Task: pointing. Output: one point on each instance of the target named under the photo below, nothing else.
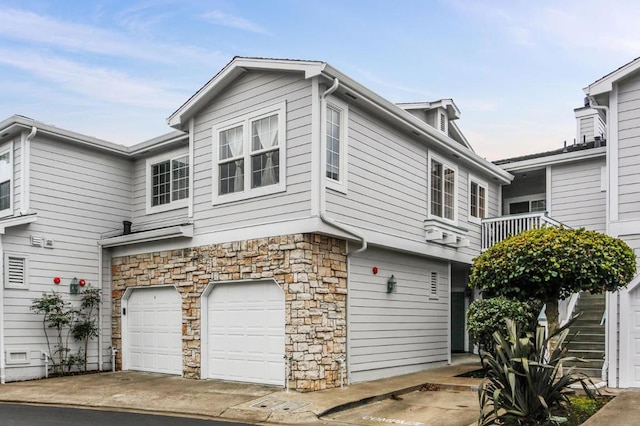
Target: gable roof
(357, 92)
(605, 84)
(559, 156)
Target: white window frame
(8, 148)
(522, 199)
(245, 121)
(339, 185)
(5, 272)
(171, 205)
(445, 164)
(483, 184)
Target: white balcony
(496, 229)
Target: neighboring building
(296, 225)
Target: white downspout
(323, 184)
(2, 360)
(608, 334)
(192, 136)
(100, 278)
(25, 150)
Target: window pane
(231, 177)
(231, 143)
(473, 209)
(520, 207)
(180, 178)
(161, 183)
(333, 144)
(264, 133)
(265, 169)
(436, 188)
(5, 166)
(5, 195)
(482, 200)
(449, 194)
(538, 205)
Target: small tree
(86, 328)
(551, 263)
(59, 315)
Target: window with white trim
(15, 271)
(335, 136)
(477, 200)
(442, 190)
(249, 155)
(168, 183)
(6, 180)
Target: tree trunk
(551, 311)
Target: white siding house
(292, 214)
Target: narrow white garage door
(634, 299)
(246, 332)
(154, 327)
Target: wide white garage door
(634, 298)
(154, 330)
(246, 332)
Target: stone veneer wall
(311, 269)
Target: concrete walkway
(171, 395)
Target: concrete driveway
(432, 408)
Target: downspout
(192, 136)
(323, 210)
(323, 186)
(25, 149)
(605, 366)
(100, 277)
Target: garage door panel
(246, 332)
(154, 330)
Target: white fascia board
(463, 138)
(605, 84)
(420, 127)
(176, 137)
(19, 122)
(179, 231)
(16, 221)
(565, 157)
(231, 71)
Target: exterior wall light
(74, 287)
(391, 284)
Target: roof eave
(231, 71)
(605, 84)
(419, 126)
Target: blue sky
(117, 69)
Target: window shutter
(16, 268)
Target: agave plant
(524, 382)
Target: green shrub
(525, 384)
(486, 316)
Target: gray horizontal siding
(252, 92)
(628, 148)
(78, 195)
(400, 332)
(576, 196)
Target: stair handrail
(573, 302)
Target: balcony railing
(496, 229)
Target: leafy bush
(486, 316)
(551, 263)
(525, 383)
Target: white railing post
(497, 229)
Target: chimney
(127, 227)
(565, 147)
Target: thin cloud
(19, 25)
(102, 84)
(220, 18)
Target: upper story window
(6, 180)
(335, 131)
(477, 200)
(442, 189)
(168, 180)
(249, 155)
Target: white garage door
(634, 298)
(154, 330)
(246, 332)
